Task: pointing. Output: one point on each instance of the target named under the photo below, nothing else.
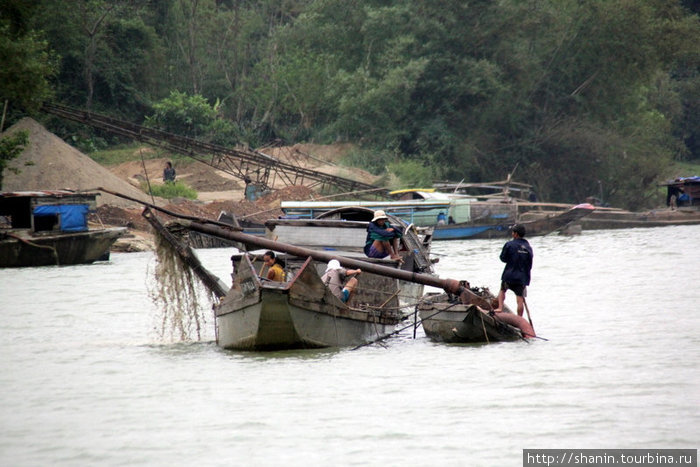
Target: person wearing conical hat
(382, 239)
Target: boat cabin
(683, 191)
(46, 211)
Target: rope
(405, 327)
(483, 326)
(46, 247)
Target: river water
(90, 376)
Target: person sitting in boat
(517, 254)
(276, 267)
(382, 238)
(441, 219)
(333, 279)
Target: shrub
(412, 173)
(171, 190)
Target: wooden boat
(683, 208)
(300, 313)
(465, 216)
(45, 228)
(542, 225)
(610, 218)
(449, 319)
(344, 230)
(421, 213)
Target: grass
(684, 169)
(171, 190)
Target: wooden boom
(449, 285)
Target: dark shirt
(374, 232)
(169, 174)
(517, 254)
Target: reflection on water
(88, 378)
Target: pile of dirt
(49, 163)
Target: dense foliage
(11, 146)
(582, 96)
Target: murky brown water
(88, 377)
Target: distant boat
(683, 208)
(421, 213)
(543, 225)
(454, 216)
(42, 228)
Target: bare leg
(520, 305)
(380, 246)
(501, 299)
(385, 247)
(394, 250)
(396, 245)
(351, 286)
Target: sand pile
(49, 163)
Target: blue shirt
(374, 232)
(517, 254)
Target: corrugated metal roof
(45, 194)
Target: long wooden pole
(527, 308)
(449, 285)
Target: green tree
(11, 146)
(27, 67)
(182, 114)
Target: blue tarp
(73, 216)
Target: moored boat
(43, 228)
(542, 225)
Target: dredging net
(179, 296)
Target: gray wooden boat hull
(457, 323)
(302, 313)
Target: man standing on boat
(333, 279)
(382, 238)
(517, 254)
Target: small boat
(42, 228)
(541, 225)
(446, 318)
